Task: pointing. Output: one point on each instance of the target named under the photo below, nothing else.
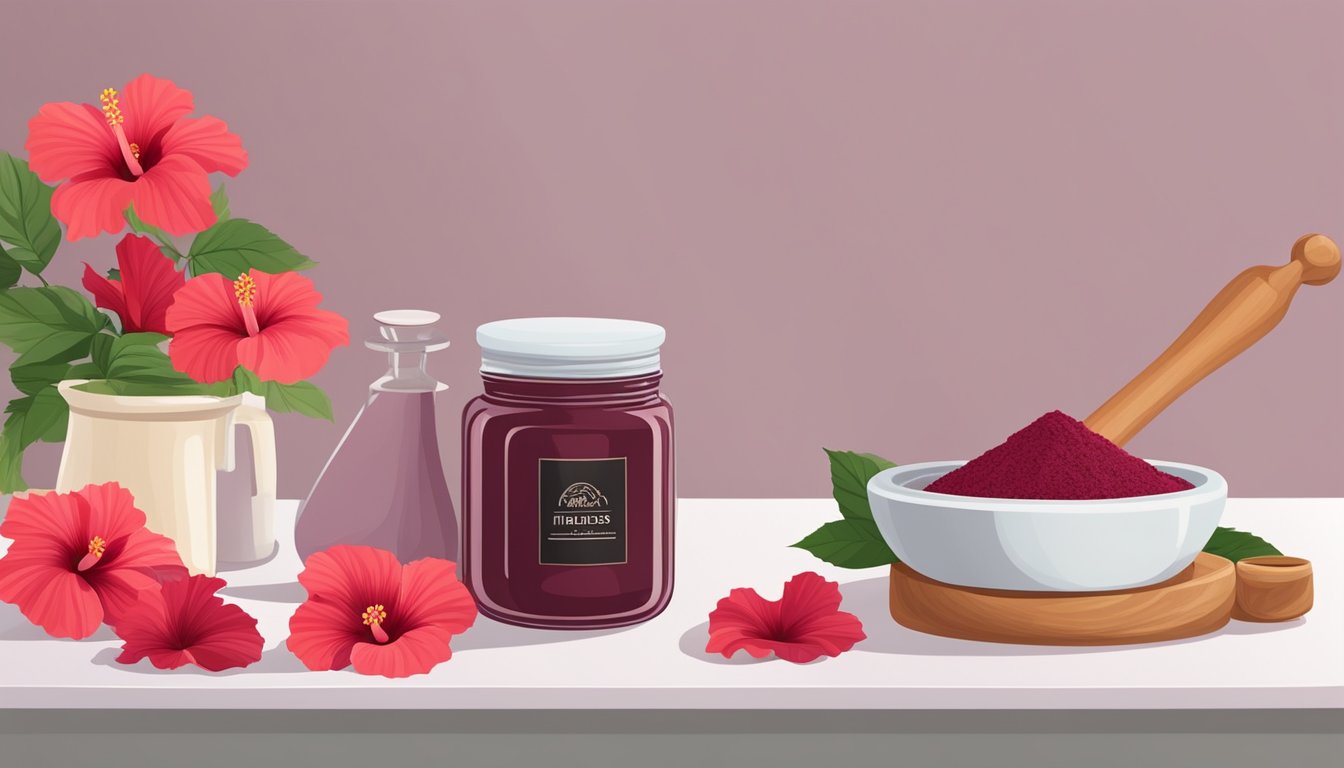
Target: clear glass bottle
(384, 485)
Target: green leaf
(233, 246)
(1236, 545)
(849, 544)
(145, 365)
(303, 398)
(219, 200)
(135, 358)
(84, 371)
(38, 417)
(48, 324)
(11, 463)
(34, 377)
(136, 389)
(51, 410)
(850, 473)
(246, 381)
(114, 274)
(855, 541)
(133, 364)
(10, 271)
(25, 215)
(144, 339)
(100, 352)
(131, 389)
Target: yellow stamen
(112, 113)
(374, 616)
(111, 107)
(97, 546)
(245, 290)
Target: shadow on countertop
(277, 660)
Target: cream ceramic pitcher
(166, 451)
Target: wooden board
(1195, 602)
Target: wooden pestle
(1240, 315)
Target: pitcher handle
(262, 430)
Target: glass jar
(567, 474)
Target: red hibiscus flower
(365, 609)
(805, 623)
(136, 147)
(149, 280)
(184, 622)
(269, 324)
(79, 559)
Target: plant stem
(45, 284)
(157, 235)
(172, 250)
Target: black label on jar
(582, 511)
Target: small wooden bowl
(1272, 588)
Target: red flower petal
(425, 605)
(92, 203)
(67, 139)
(147, 552)
(807, 600)
(797, 653)
(295, 349)
(322, 634)
(296, 338)
(138, 561)
(73, 141)
(802, 625)
(52, 534)
(50, 596)
(293, 341)
(174, 195)
(185, 622)
(413, 653)
(109, 511)
(151, 105)
(285, 296)
(206, 300)
(832, 635)
(431, 595)
(205, 354)
(107, 294)
(119, 590)
(206, 325)
(353, 577)
(208, 141)
(150, 280)
(51, 521)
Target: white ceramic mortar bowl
(1021, 544)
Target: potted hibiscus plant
(222, 314)
(198, 301)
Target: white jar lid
(570, 347)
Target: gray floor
(592, 739)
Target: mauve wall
(903, 227)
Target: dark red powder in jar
(1057, 457)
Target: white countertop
(662, 665)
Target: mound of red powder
(1057, 457)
